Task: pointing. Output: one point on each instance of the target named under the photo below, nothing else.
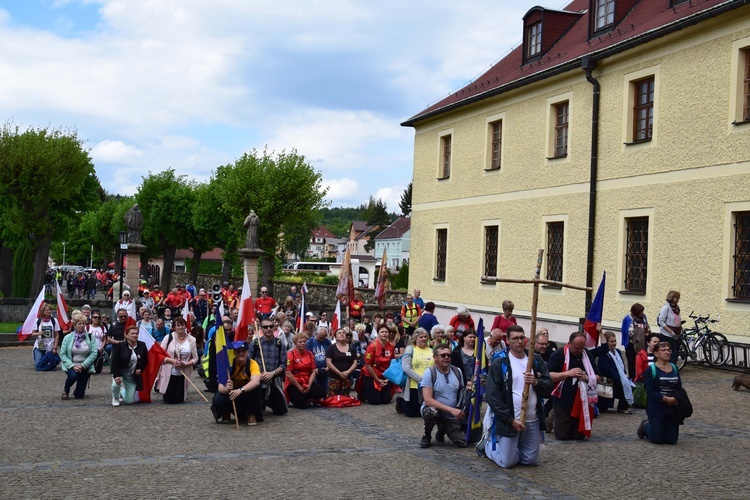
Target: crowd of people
(287, 361)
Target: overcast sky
(193, 84)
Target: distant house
(359, 234)
(318, 248)
(395, 241)
(181, 255)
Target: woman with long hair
(176, 369)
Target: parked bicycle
(700, 343)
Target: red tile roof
(647, 20)
(322, 232)
(395, 230)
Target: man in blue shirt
(318, 345)
(428, 319)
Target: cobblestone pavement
(51, 448)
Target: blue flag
(224, 351)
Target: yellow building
(616, 137)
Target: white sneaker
(121, 398)
(115, 402)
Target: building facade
(396, 241)
(616, 138)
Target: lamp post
(123, 249)
(63, 253)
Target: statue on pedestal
(251, 224)
(134, 224)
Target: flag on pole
(156, 354)
(302, 309)
(224, 353)
(62, 310)
(186, 313)
(336, 317)
(594, 316)
(382, 287)
(246, 315)
(480, 368)
(30, 324)
(345, 290)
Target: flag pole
(194, 386)
(532, 341)
(234, 406)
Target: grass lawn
(9, 327)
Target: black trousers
(374, 396)
(276, 400)
(247, 403)
(566, 427)
(302, 401)
(175, 392)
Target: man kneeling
(441, 387)
(507, 441)
(242, 388)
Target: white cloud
(115, 152)
(344, 189)
(391, 196)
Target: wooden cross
(535, 299)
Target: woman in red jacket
(376, 388)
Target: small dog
(741, 380)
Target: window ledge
(634, 143)
(740, 122)
(552, 287)
(443, 178)
(492, 169)
(631, 292)
(738, 301)
(438, 279)
(559, 157)
(488, 282)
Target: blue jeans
(37, 355)
(661, 431)
(80, 380)
(523, 448)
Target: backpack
(433, 373)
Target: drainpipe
(588, 64)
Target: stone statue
(134, 224)
(251, 224)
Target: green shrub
(330, 279)
(401, 280)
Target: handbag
(395, 373)
(606, 389)
(639, 395)
(464, 399)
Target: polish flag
(246, 316)
(186, 313)
(156, 355)
(302, 310)
(62, 310)
(30, 324)
(336, 317)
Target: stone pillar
(132, 261)
(250, 258)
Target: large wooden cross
(535, 299)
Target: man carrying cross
(509, 441)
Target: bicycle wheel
(682, 355)
(716, 349)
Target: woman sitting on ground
(661, 427)
(300, 386)
(176, 369)
(341, 359)
(646, 357)
(47, 331)
(416, 360)
(77, 354)
(128, 361)
(612, 366)
(376, 389)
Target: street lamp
(63, 253)
(123, 249)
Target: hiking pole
(194, 386)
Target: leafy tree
(201, 229)
(47, 181)
(166, 201)
(405, 203)
(283, 190)
(401, 280)
(22, 270)
(375, 214)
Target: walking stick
(234, 407)
(530, 363)
(194, 386)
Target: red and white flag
(345, 290)
(30, 324)
(336, 317)
(156, 355)
(62, 310)
(186, 314)
(382, 287)
(246, 316)
(302, 309)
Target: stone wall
(323, 297)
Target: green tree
(22, 269)
(47, 181)
(405, 203)
(166, 201)
(283, 190)
(376, 214)
(202, 231)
